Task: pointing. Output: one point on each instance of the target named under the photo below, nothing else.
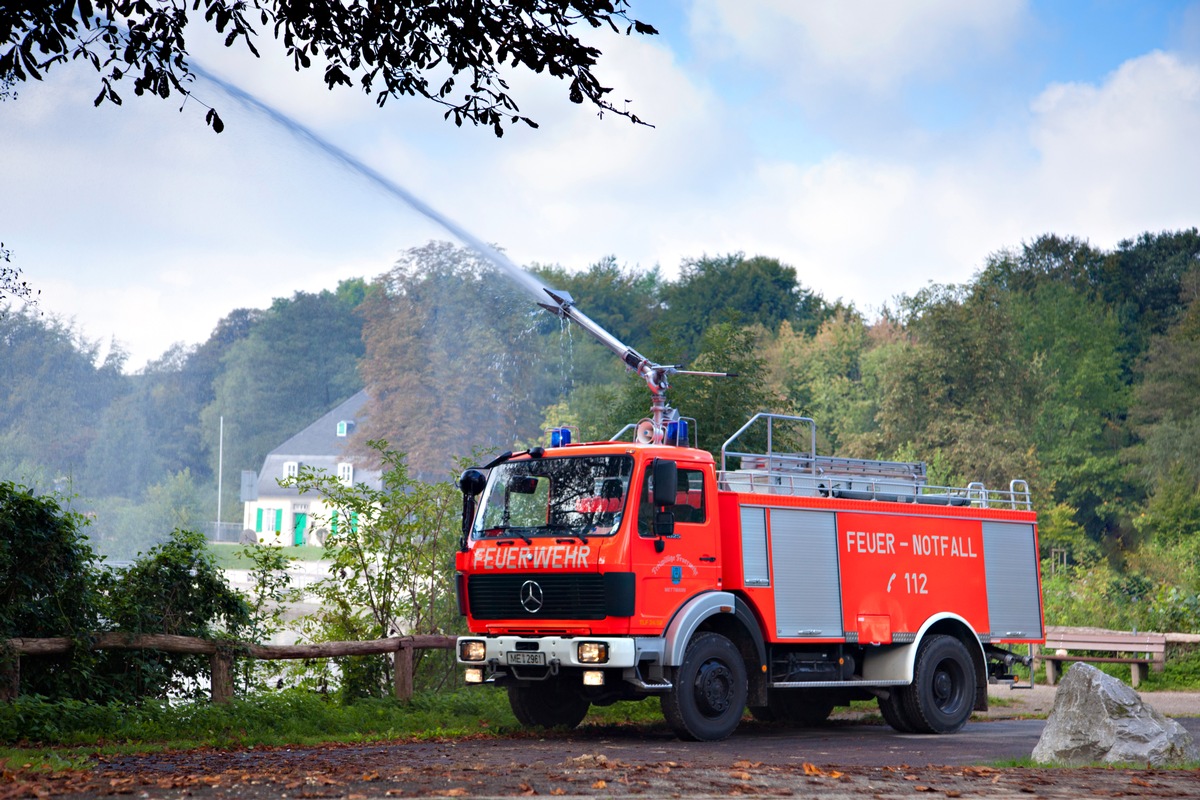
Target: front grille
(563, 596)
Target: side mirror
(666, 482)
(471, 484)
(666, 485)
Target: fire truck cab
(786, 583)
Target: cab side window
(690, 506)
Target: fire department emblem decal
(531, 596)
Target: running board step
(652, 685)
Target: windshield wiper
(567, 529)
(507, 532)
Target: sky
(875, 147)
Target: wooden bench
(1139, 650)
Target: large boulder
(1098, 719)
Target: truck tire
(892, 709)
(709, 695)
(550, 705)
(942, 695)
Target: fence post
(402, 671)
(10, 678)
(222, 676)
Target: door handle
(708, 558)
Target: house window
(344, 427)
(346, 472)
(291, 469)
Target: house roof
(319, 446)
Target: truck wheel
(942, 694)
(709, 695)
(549, 705)
(892, 709)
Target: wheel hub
(714, 688)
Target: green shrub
(50, 585)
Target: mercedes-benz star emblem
(531, 597)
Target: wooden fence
(223, 653)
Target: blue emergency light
(677, 433)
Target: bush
(175, 588)
(52, 584)
(49, 586)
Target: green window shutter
(258, 521)
(279, 520)
(354, 522)
(333, 522)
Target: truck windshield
(578, 496)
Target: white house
(282, 516)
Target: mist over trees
(1068, 366)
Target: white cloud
(1121, 157)
(867, 44)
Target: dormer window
(291, 469)
(345, 427)
(346, 473)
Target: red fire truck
(780, 580)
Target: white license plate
(527, 659)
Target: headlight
(472, 650)
(592, 652)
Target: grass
(229, 555)
(60, 734)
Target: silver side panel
(1011, 559)
(808, 594)
(755, 568)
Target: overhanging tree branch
(450, 52)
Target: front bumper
(636, 662)
(554, 650)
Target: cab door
(673, 569)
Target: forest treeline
(1072, 367)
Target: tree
(299, 360)
(11, 284)
(822, 377)
(1143, 280)
(391, 558)
(455, 53)
(1166, 416)
(1072, 340)
(732, 288)
(455, 358)
(54, 387)
(960, 387)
